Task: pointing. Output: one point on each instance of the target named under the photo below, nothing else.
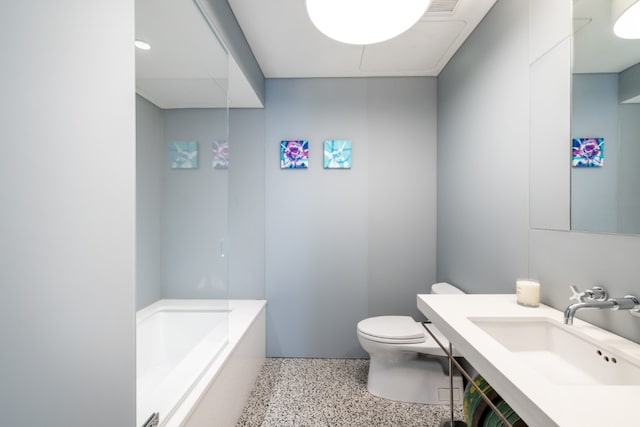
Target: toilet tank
(445, 288)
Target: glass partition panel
(182, 202)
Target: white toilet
(406, 364)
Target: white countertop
(538, 401)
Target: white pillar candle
(528, 292)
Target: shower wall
(194, 210)
(246, 204)
(182, 214)
(150, 159)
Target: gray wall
(68, 216)
(483, 155)
(560, 259)
(246, 204)
(182, 214)
(194, 209)
(629, 172)
(150, 160)
(343, 245)
(629, 83)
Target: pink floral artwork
(220, 152)
(294, 154)
(587, 152)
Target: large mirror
(605, 122)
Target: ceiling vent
(442, 6)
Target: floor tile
(329, 393)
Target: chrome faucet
(596, 297)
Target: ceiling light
(365, 21)
(627, 15)
(141, 44)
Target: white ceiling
(187, 67)
(286, 43)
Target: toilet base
(412, 377)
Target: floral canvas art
(294, 154)
(587, 152)
(337, 154)
(183, 154)
(220, 154)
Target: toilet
(406, 364)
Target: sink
(560, 353)
(550, 373)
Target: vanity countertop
(539, 401)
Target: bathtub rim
(242, 315)
(215, 305)
(168, 393)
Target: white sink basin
(560, 353)
(551, 374)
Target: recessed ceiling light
(365, 21)
(627, 15)
(141, 44)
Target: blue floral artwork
(587, 152)
(337, 154)
(220, 153)
(183, 154)
(294, 154)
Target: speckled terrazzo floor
(329, 393)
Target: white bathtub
(197, 360)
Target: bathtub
(197, 360)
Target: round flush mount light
(141, 44)
(627, 15)
(365, 21)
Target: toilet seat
(392, 330)
(400, 330)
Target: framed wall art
(183, 154)
(220, 151)
(294, 154)
(337, 154)
(587, 152)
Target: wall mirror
(605, 122)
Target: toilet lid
(401, 328)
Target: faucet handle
(577, 295)
(597, 293)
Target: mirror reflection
(605, 122)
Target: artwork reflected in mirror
(587, 152)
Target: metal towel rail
(152, 421)
(452, 361)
